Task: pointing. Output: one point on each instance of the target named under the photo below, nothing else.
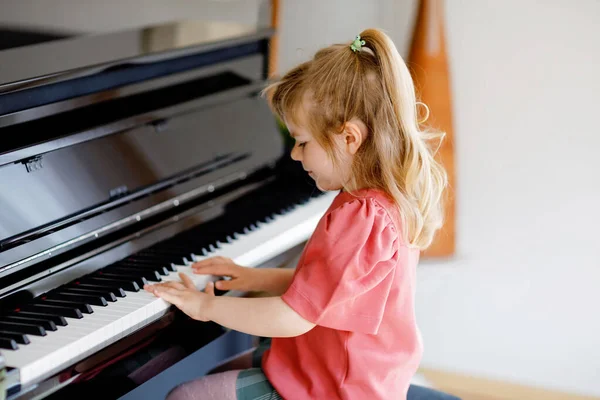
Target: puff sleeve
(346, 271)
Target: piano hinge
(33, 163)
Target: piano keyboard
(77, 319)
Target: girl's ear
(354, 133)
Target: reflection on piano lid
(124, 171)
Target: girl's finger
(210, 289)
(187, 282)
(213, 269)
(169, 294)
(173, 285)
(212, 261)
(226, 285)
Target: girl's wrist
(208, 308)
(258, 280)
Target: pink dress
(356, 282)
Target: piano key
(105, 294)
(140, 280)
(83, 307)
(133, 267)
(267, 240)
(57, 319)
(17, 337)
(59, 310)
(157, 259)
(149, 275)
(7, 343)
(46, 324)
(150, 264)
(77, 297)
(20, 327)
(127, 285)
(114, 288)
(164, 253)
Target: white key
(284, 232)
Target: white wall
(520, 300)
(308, 25)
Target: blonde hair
(375, 86)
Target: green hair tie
(357, 44)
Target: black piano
(124, 158)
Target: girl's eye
(302, 144)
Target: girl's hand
(242, 278)
(185, 296)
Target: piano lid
(30, 66)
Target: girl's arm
(273, 280)
(266, 316)
(263, 316)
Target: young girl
(343, 323)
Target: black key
(126, 284)
(30, 329)
(114, 288)
(71, 312)
(46, 324)
(127, 267)
(152, 258)
(157, 259)
(90, 299)
(177, 256)
(163, 252)
(17, 337)
(57, 319)
(186, 244)
(107, 295)
(146, 264)
(140, 280)
(182, 245)
(6, 343)
(149, 275)
(83, 307)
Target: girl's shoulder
(365, 206)
(374, 199)
(360, 223)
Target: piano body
(123, 159)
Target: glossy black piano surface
(121, 162)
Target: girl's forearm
(265, 316)
(274, 281)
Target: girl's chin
(317, 183)
(324, 187)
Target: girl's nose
(296, 154)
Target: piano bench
(416, 392)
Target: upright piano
(124, 158)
